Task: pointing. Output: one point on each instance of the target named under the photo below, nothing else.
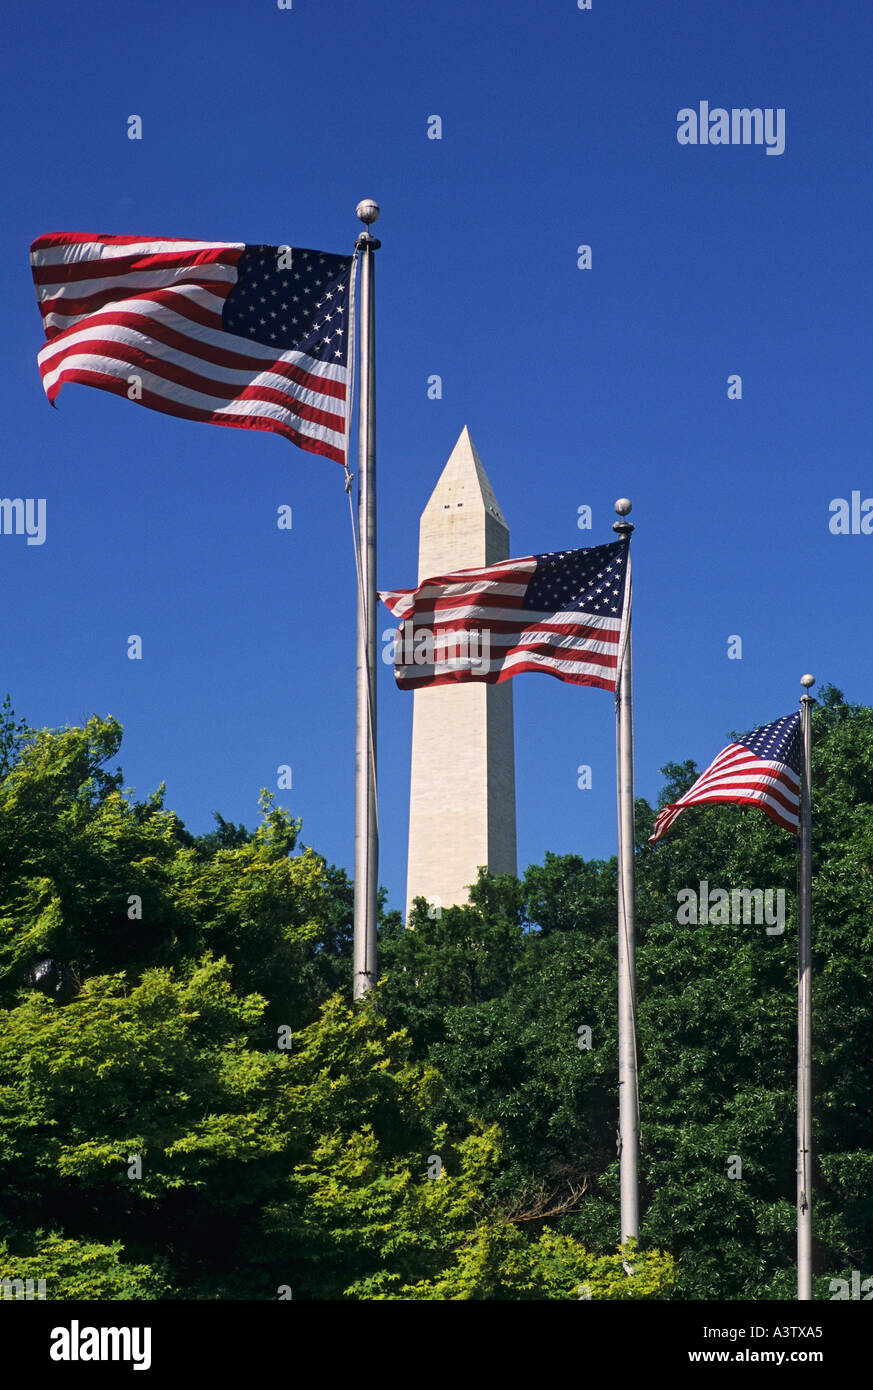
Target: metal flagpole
(804, 1011)
(366, 826)
(628, 1099)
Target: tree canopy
(190, 1107)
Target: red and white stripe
(116, 307)
(580, 648)
(738, 775)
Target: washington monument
(462, 790)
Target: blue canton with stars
(779, 742)
(304, 306)
(591, 580)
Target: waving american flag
(563, 613)
(255, 337)
(762, 768)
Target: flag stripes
(739, 774)
(120, 307)
(492, 623)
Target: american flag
(563, 613)
(762, 768)
(255, 337)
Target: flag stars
(309, 320)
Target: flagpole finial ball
(367, 211)
(623, 506)
(807, 681)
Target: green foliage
(190, 1108)
(13, 734)
(499, 1263)
(76, 1269)
(496, 991)
(158, 1138)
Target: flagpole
(628, 1115)
(366, 825)
(804, 1010)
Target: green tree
(716, 1030)
(200, 1115)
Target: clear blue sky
(559, 128)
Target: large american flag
(255, 337)
(763, 768)
(563, 613)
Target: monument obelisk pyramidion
(462, 791)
